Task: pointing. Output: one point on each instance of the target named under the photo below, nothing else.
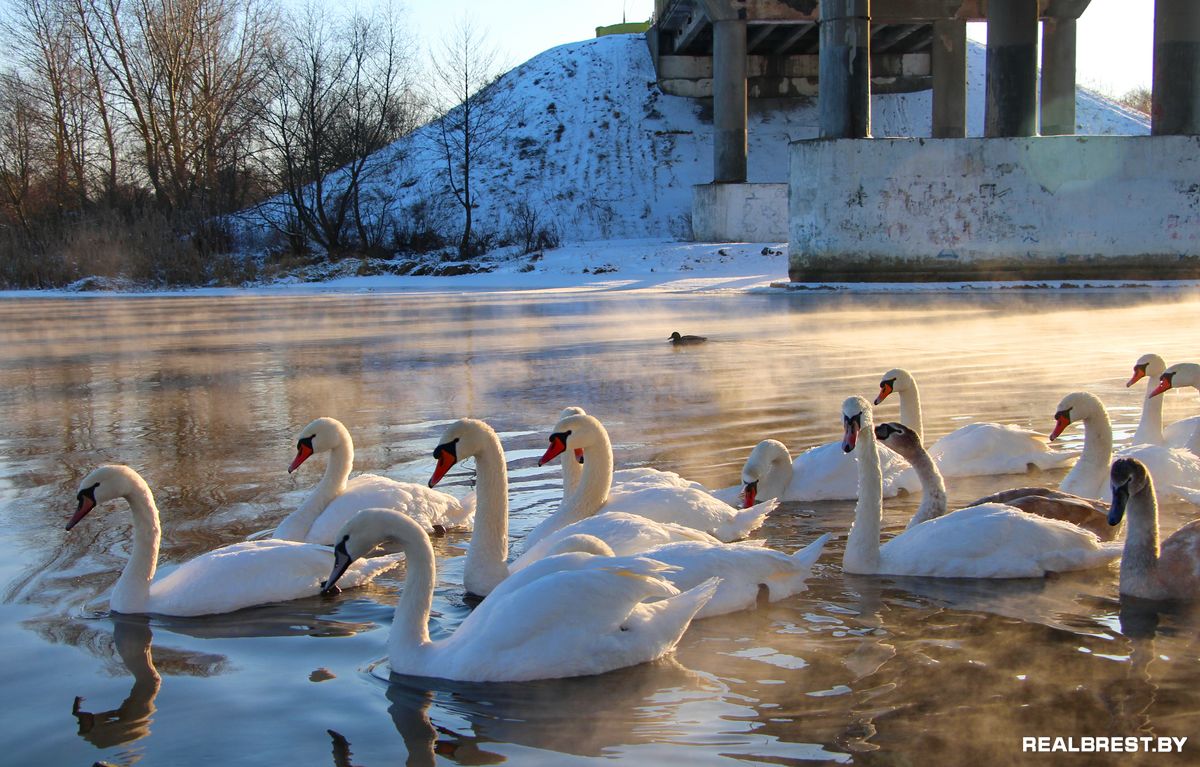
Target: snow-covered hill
(599, 152)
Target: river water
(204, 396)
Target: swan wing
(252, 573)
(981, 449)
(827, 473)
(424, 505)
(690, 507)
(624, 533)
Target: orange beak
(1061, 422)
(1164, 383)
(885, 388)
(304, 451)
(86, 504)
(447, 456)
(1139, 372)
(749, 493)
(558, 443)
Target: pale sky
(1114, 45)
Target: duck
(334, 500)
(987, 541)
(977, 449)
(1182, 433)
(679, 340)
(1087, 513)
(1170, 571)
(564, 624)
(748, 573)
(660, 501)
(486, 565)
(219, 581)
(1150, 429)
(1176, 471)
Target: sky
(521, 29)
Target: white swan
(485, 566)
(334, 500)
(1185, 433)
(821, 473)
(659, 501)
(989, 541)
(219, 581)
(1091, 515)
(1150, 429)
(1148, 570)
(1175, 471)
(977, 449)
(567, 623)
(748, 573)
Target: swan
(485, 567)
(821, 473)
(219, 581)
(989, 541)
(567, 623)
(658, 501)
(334, 500)
(1052, 504)
(977, 449)
(1148, 570)
(1150, 429)
(1175, 471)
(1184, 433)
(747, 572)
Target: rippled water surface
(204, 396)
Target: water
(204, 397)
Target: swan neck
(295, 526)
(571, 472)
(1150, 425)
(132, 590)
(590, 495)
(485, 566)
(1089, 475)
(1140, 558)
(410, 623)
(933, 486)
(910, 409)
(778, 478)
(862, 545)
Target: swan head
(575, 432)
(366, 530)
(567, 413)
(1076, 406)
(856, 416)
(1148, 365)
(895, 380)
(320, 435)
(900, 438)
(1182, 374)
(463, 439)
(766, 465)
(104, 484)
(1128, 477)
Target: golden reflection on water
(203, 397)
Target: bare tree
(340, 91)
(475, 115)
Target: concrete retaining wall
(740, 212)
(1101, 207)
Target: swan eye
(306, 442)
(1168, 377)
(1064, 414)
(87, 492)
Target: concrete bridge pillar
(1012, 31)
(1175, 104)
(729, 101)
(1058, 77)
(844, 88)
(949, 63)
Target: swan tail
(669, 618)
(808, 556)
(366, 570)
(745, 521)
(801, 562)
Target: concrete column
(729, 102)
(1175, 104)
(1012, 32)
(844, 90)
(949, 78)
(1058, 77)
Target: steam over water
(204, 397)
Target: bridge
(843, 50)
